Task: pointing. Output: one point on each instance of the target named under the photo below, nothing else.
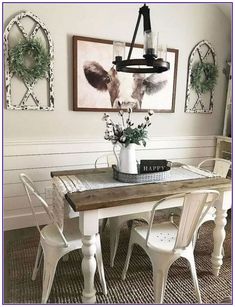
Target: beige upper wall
(181, 26)
(226, 8)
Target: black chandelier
(150, 63)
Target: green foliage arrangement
(32, 50)
(125, 133)
(135, 135)
(204, 77)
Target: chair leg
(103, 225)
(194, 239)
(48, 277)
(100, 265)
(128, 257)
(114, 240)
(37, 261)
(160, 273)
(222, 251)
(65, 258)
(129, 224)
(194, 277)
(171, 217)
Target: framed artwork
(97, 86)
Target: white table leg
(88, 224)
(219, 236)
(219, 232)
(88, 269)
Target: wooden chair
(55, 243)
(117, 222)
(164, 242)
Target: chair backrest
(195, 207)
(31, 190)
(108, 159)
(221, 166)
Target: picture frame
(97, 86)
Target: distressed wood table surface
(93, 205)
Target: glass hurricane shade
(119, 50)
(149, 48)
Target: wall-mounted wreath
(28, 55)
(29, 60)
(204, 77)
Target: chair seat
(71, 233)
(162, 236)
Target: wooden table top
(111, 197)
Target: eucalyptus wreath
(204, 77)
(32, 50)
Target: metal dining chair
(117, 222)
(56, 242)
(221, 168)
(166, 242)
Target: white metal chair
(55, 243)
(164, 242)
(117, 222)
(106, 159)
(221, 168)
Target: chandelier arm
(144, 10)
(134, 35)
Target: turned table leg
(88, 269)
(88, 224)
(219, 232)
(219, 236)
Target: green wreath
(33, 51)
(204, 77)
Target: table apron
(135, 208)
(89, 220)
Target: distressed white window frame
(197, 106)
(8, 75)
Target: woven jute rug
(137, 288)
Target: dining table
(95, 195)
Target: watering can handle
(116, 155)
